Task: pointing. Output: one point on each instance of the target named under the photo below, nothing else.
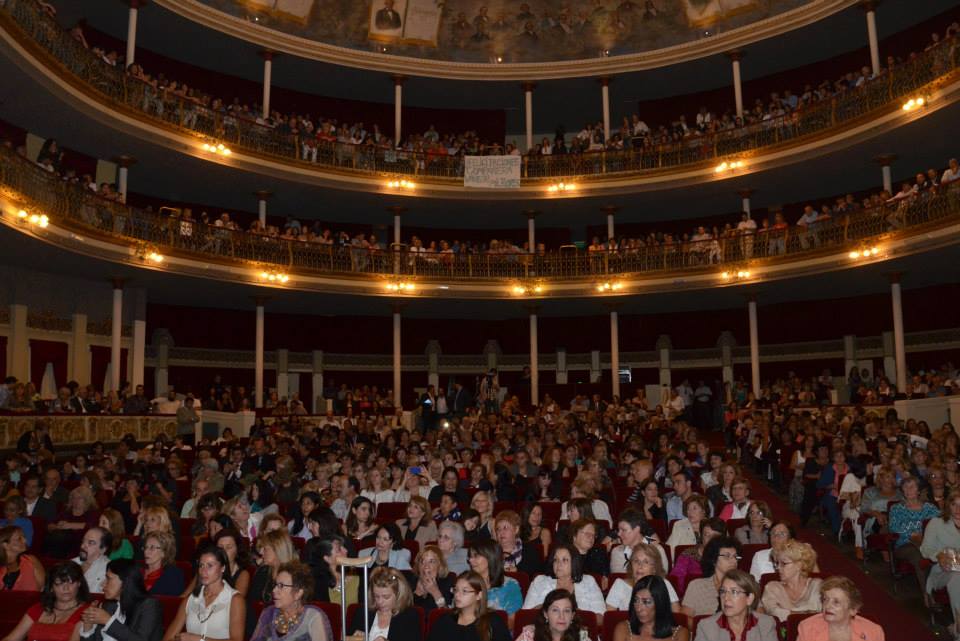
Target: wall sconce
(37, 220)
(403, 287)
(532, 289)
(561, 186)
(729, 166)
(609, 286)
(737, 275)
(859, 254)
(217, 148)
(914, 103)
(401, 184)
(274, 277)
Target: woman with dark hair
(308, 503)
(214, 611)
(650, 613)
(719, 557)
(556, 621)
(63, 600)
(583, 540)
(208, 507)
(566, 573)
(129, 614)
(388, 550)
(120, 546)
(688, 563)
(323, 555)
(238, 554)
(260, 494)
(289, 616)
(18, 570)
(360, 523)
(471, 618)
(532, 529)
(502, 592)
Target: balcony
(190, 127)
(40, 204)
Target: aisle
(898, 623)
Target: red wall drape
(3, 357)
(43, 352)
(99, 360)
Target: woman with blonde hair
(275, 548)
(418, 526)
(482, 502)
(77, 516)
(244, 519)
(796, 591)
(645, 561)
(431, 586)
(391, 615)
(160, 576)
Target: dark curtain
(43, 352)
(99, 360)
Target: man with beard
(94, 557)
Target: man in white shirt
(747, 228)
(94, 557)
(807, 237)
(952, 172)
(168, 404)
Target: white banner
(492, 172)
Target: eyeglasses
(280, 586)
(733, 592)
(730, 556)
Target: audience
(63, 600)
(290, 616)
(214, 610)
(391, 615)
(650, 614)
(128, 613)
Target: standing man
(187, 419)
(702, 397)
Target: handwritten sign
(492, 172)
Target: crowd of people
(491, 526)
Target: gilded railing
(917, 76)
(73, 430)
(73, 206)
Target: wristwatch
(441, 602)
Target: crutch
(364, 563)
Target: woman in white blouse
(214, 611)
(686, 531)
(378, 488)
(566, 573)
(645, 560)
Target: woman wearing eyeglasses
(470, 619)
(290, 617)
(62, 603)
(651, 616)
(644, 561)
(391, 616)
(737, 618)
(796, 591)
(215, 611)
(719, 557)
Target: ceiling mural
(505, 31)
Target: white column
(871, 10)
(849, 354)
(885, 161)
(899, 347)
(735, 57)
(161, 382)
(531, 231)
(528, 111)
(80, 353)
(267, 79)
(605, 100)
(745, 199)
(138, 364)
(397, 396)
(610, 225)
(754, 349)
(397, 212)
(258, 358)
(132, 32)
(122, 183)
(283, 373)
(116, 329)
(317, 407)
(262, 197)
(615, 351)
(534, 364)
(19, 344)
(664, 346)
(397, 109)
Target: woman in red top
(18, 570)
(64, 598)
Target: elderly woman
(517, 556)
(941, 539)
(686, 531)
(839, 621)
(737, 618)
(503, 592)
(756, 531)
(391, 616)
(450, 541)
(780, 534)
(689, 562)
(644, 561)
(160, 576)
(388, 550)
(79, 514)
(566, 573)
(650, 614)
(418, 526)
(290, 616)
(739, 506)
(719, 557)
(432, 586)
(583, 539)
(129, 613)
(64, 599)
(906, 521)
(796, 591)
(18, 570)
(150, 520)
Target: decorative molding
(48, 321)
(70, 430)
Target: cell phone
(416, 470)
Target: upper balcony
(129, 105)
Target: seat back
(332, 610)
(170, 605)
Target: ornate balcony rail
(918, 76)
(74, 430)
(72, 206)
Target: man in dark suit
(37, 505)
(428, 409)
(52, 489)
(387, 19)
(261, 463)
(460, 400)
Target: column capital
(397, 210)
(135, 4)
(746, 193)
(268, 54)
(735, 55)
(885, 160)
(528, 86)
(117, 282)
(531, 308)
(260, 301)
(869, 5)
(663, 342)
(726, 339)
(894, 277)
(612, 305)
(124, 160)
(605, 80)
(750, 298)
(609, 210)
(531, 213)
(398, 79)
(263, 194)
(397, 307)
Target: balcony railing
(72, 206)
(917, 76)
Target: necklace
(284, 622)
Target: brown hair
(390, 578)
(745, 582)
(301, 578)
(847, 586)
(116, 527)
(700, 500)
(433, 549)
(167, 543)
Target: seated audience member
(450, 542)
(831, 483)
(290, 616)
(737, 618)
(391, 615)
(756, 531)
(532, 529)
(214, 611)
(128, 613)
(94, 557)
(418, 526)
(739, 506)
(471, 618)
(906, 521)
(651, 616)
(360, 523)
(686, 531)
(722, 492)
(79, 513)
(762, 563)
(502, 592)
(688, 564)
(238, 556)
(120, 546)
(584, 488)
(244, 520)
(388, 550)
(517, 557)
(796, 590)
(873, 505)
(431, 585)
(644, 561)
(323, 554)
(298, 526)
(160, 576)
(483, 504)
(18, 570)
(556, 621)
(583, 542)
(719, 557)
(15, 513)
(941, 540)
(839, 618)
(566, 573)
(275, 548)
(632, 529)
(154, 519)
(652, 504)
(62, 602)
(682, 490)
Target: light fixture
(561, 186)
(155, 257)
(37, 220)
(499, 59)
(148, 254)
(728, 166)
(273, 276)
(914, 103)
(529, 289)
(404, 287)
(22, 214)
(867, 252)
(401, 184)
(217, 148)
(740, 274)
(609, 286)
